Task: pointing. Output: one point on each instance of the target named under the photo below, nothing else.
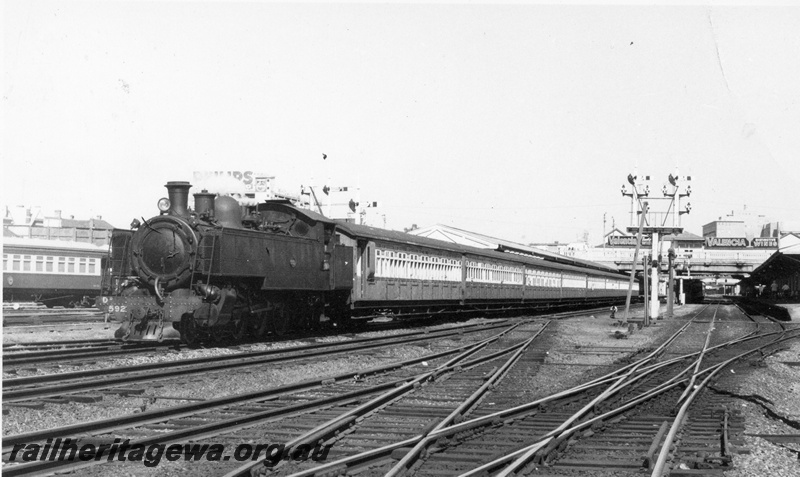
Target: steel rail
(658, 468)
(550, 440)
(158, 415)
(77, 354)
(215, 428)
(69, 382)
(711, 328)
(8, 347)
(491, 419)
(348, 418)
(407, 460)
(525, 454)
(101, 348)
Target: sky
(520, 120)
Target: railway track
(59, 384)
(49, 316)
(336, 393)
(605, 436)
(289, 402)
(84, 352)
(88, 351)
(536, 435)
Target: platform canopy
(779, 266)
(474, 239)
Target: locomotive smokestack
(204, 203)
(178, 197)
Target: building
(772, 229)
(725, 229)
(31, 222)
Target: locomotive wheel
(281, 317)
(189, 332)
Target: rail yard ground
(41, 333)
(575, 350)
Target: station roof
(463, 237)
(780, 265)
(684, 237)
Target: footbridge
(696, 263)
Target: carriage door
(367, 267)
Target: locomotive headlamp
(163, 204)
(135, 224)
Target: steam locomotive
(223, 270)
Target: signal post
(656, 222)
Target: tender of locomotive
(223, 270)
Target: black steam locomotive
(223, 270)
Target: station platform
(782, 309)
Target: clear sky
(520, 120)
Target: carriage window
(5, 262)
(62, 264)
(48, 265)
(16, 263)
(71, 265)
(82, 265)
(39, 263)
(26, 263)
